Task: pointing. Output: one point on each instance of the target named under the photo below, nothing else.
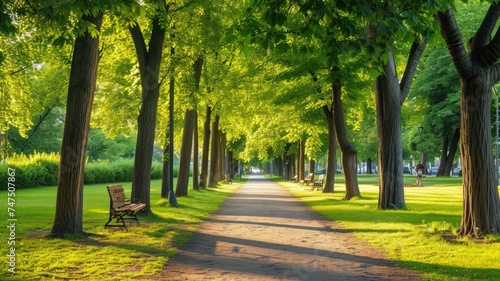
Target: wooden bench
(307, 180)
(121, 208)
(318, 184)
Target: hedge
(42, 169)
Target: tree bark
(452, 152)
(300, 167)
(167, 183)
(286, 164)
(448, 149)
(444, 155)
(312, 165)
(214, 152)
(331, 166)
(349, 152)
(149, 67)
(206, 146)
(196, 152)
(69, 203)
(222, 156)
(197, 69)
(390, 151)
(478, 71)
(369, 169)
(185, 156)
(190, 125)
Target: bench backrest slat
(116, 195)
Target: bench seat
(121, 208)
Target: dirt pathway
(263, 232)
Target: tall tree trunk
(286, 164)
(168, 153)
(165, 178)
(448, 165)
(448, 151)
(478, 70)
(185, 156)
(390, 151)
(331, 166)
(214, 152)
(197, 69)
(292, 170)
(69, 203)
(300, 168)
(312, 166)
(196, 154)
(444, 154)
(206, 146)
(222, 156)
(481, 206)
(369, 169)
(190, 125)
(349, 152)
(149, 67)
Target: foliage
(100, 148)
(44, 136)
(39, 169)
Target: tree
(214, 153)
(69, 203)
(478, 70)
(190, 121)
(206, 146)
(386, 22)
(149, 58)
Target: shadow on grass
(444, 272)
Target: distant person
(420, 170)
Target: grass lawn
(108, 254)
(421, 237)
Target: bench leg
(118, 219)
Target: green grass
(421, 237)
(108, 254)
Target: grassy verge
(420, 237)
(108, 254)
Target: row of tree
(273, 78)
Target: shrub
(42, 169)
(39, 169)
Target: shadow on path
(264, 233)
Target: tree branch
(487, 53)
(41, 119)
(454, 42)
(482, 36)
(140, 45)
(413, 58)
